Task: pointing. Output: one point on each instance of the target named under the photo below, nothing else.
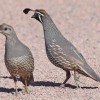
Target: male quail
(60, 51)
(18, 58)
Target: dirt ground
(79, 22)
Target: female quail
(18, 58)
(60, 51)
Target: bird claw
(62, 85)
(78, 87)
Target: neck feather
(12, 40)
(51, 32)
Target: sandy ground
(79, 22)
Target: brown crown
(41, 11)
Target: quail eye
(5, 29)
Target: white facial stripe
(40, 18)
(40, 13)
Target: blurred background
(78, 21)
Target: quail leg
(76, 78)
(15, 81)
(67, 77)
(26, 88)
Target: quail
(61, 52)
(18, 57)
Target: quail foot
(61, 52)
(18, 58)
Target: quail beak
(33, 16)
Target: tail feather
(29, 79)
(88, 71)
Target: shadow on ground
(52, 84)
(7, 90)
(6, 77)
(43, 83)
